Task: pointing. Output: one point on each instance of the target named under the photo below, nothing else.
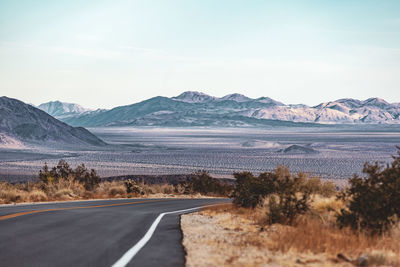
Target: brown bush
(316, 185)
(63, 189)
(117, 190)
(37, 195)
(11, 193)
(63, 194)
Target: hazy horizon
(103, 54)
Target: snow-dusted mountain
(22, 124)
(372, 110)
(198, 109)
(61, 110)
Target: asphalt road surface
(93, 233)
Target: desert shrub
(373, 202)
(167, 189)
(63, 194)
(325, 204)
(104, 189)
(285, 191)
(316, 185)
(283, 208)
(9, 197)
(118, 190)
(62, 171)
(249, 190)
(12, 195)
(90, 180)
(37, 195)
(328, 189)
(201, 182)
(158, 188)
(289, 197)
(63, 188)
(132, 187)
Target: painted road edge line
(127, 257)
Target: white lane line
(127, 257)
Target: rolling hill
(22, 124)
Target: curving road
(93, 233)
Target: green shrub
(286, 193)
(201, 182)
(373, 202)
(290, 197)
(249, 190)
(283, 208)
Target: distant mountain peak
(193, 97)
(376, 101)
(60, 109)
(355, 103)
(236, 97)
(268, 100)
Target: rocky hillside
(22, 124)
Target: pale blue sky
(117, 52)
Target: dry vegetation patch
(230, 236)
(61, 182)
(63, 190)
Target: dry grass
(230, 236)
(63, 189)
(69, 189)
(326, 204)
(110, 189)
(157, 188)
(10, 194)
(117, 191)
(311, 235)
(318, 186)
(37, 195)
(222, 237)
(64, 194)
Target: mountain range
(198, 109)
(22, 124)
(62, 109)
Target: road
(93, 233)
